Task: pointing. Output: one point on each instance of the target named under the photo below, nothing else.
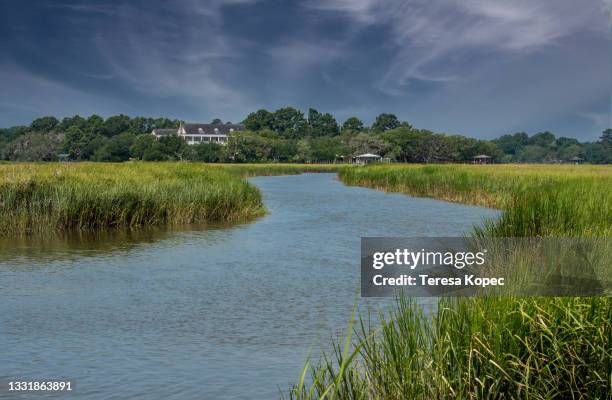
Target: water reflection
(40, 249)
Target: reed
(271, 169)
(42, 198)
(537, 200)
(492, 347)
(479, 348)
(38, 198)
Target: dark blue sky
(477, 67)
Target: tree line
(284, 135)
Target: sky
(481, 68)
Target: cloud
(297, 57)
(426, 35)
(52, 97)
(177, 51)
(598, 119)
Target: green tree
(73, 142)
(565, 142)
(155, 153)
(304, 151)
(248, 147)
(44, 124)
(326, 148)
(606, 136)
(258, 120)
(172, 146)
(216, 121)
(532, 153)
(321, 124)
(385, 122)
(598, 153)
(94, 125)
(209, 152)
(289, 122)
(33, 147)
(116, 149)
(140, 145)
(544, 139)
(568, 152)
(364, 143)
(352, 124)
(115, 125)
(14, 132)
(512, 144)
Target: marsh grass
(38, 198)
(272, 169)
(474, 348)
(42, 198)
(485, 347)
(537, 200)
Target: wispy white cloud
(296, 57)
(426, 32)
(181, 51)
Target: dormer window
(200, 130)
(216, 130)
(231, 129)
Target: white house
(200, 133)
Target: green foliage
(472, 348)
(385, 122)
(33, 147)
(539, 200)
(286, 136)
(484, 347)
(44, 124)
(543, 139)
(322, 124)
(44, 198)
(259, 120)
(289, 122)
(208, 152)
(511, 144)
(116, 149)
(606, 137)
(533, 153)
(352, 124)
(140, 145)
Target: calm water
(216, 313)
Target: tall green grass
(37, 198)
(248, 170)
(480, 348)
(485, 348)
(537, 200)
(57, 197)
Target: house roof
(482, 156)
(575, 159)
(368, 155)
(211, 129)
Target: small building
(576, 160)
(200, 133)
(482, 159)
(367, 158)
